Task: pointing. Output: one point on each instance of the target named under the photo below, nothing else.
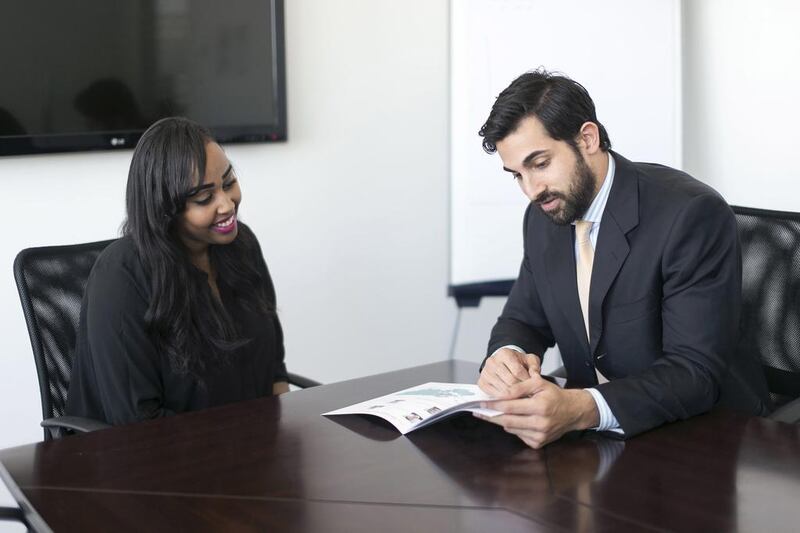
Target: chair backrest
(771, 296)
(51, 281)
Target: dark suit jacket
(663, 306)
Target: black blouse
(118, 374)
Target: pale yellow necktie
(584, 274)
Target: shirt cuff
(608, 422)
(511, 347)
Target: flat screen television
(93, 74)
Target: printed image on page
(413, 408)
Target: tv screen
(93, 74)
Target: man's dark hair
(562, 106)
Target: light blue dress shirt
(608, 422)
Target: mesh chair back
(771, 296)
(51, 281)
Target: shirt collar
(595, 212)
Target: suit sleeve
(522, 322)
(701, 279)
(124, 357)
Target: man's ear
(588, 138)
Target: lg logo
(117, 141)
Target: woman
(178, 314)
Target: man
(633, 269)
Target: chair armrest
(75, 423)
(302, 382)
(789, 413)
(12, 513)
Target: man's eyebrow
(527, 161)
(531, 156)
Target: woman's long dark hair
(186, 321)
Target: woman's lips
(225, 226)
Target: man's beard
(577, 200)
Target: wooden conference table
(275, 464)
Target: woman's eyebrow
(227, 172)
(200, 188)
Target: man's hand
(506, 368)
(544, 411)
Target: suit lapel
(558, 255)
(621, 215)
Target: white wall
(741, 85)
(351, 211)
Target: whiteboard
(627, 53)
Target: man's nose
(530, 188)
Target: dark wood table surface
(275, 464)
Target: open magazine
(413, 408)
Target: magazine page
(415, 407)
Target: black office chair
(770, 324)
(13, 514)
(51, 281)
